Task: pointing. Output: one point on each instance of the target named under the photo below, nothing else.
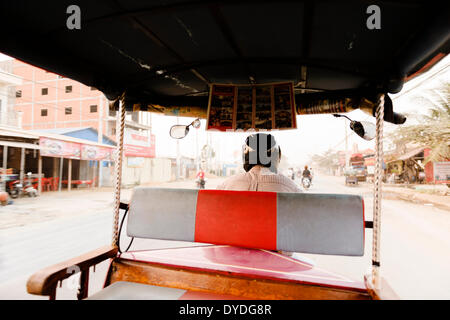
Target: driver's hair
(261, 149)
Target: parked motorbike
(14, 189)
(17, 189)
(29, 190)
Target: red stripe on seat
(244, 219)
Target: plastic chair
(54, 184)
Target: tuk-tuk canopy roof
(168, 52)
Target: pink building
(49, 101)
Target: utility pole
(178, 157)
(346, 147)
(196, 150)
(5, 167)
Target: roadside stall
(408, 167)
(68, 161)
(19, 153)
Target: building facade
(45, 103)
(8, 84)
(50, 101)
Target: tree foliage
(431, 130)
(328, 160)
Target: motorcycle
(306, 182)
(200, 183)
(16, 189)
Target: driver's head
(261, 149)
(306, 167)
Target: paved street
(415, 245)
(415, 241)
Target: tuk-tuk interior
(163, 57)
(237, 263)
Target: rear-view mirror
(364, 129)
(179, 131)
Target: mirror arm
(341, 115)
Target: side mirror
(196, 123)
(364, 129)
(179, 131)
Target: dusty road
(415, 245)
(414, 250)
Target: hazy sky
(314, 133)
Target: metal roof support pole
(61, 164)
(379, 114)
(39, 173)
(120, 128)
(22, 165)
(5, 167)
(69, 175)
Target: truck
(357, 164)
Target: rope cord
(118, 172)
(120, 231)
(379, 115)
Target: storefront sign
(137, 144)
(72, 150)
(59, 148)
(90, 152)
(442, 172)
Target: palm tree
(433, 129)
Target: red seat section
(226, 218)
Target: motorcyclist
(201, 179)
(261, 156)
(307, 173)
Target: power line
(421, 82)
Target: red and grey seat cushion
(299, 222)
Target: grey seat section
(123, 290)
(320, 223)
(167, 214)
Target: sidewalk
(56, 205)
(417, 196)
(51, 205)
(430, 195)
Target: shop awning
(16, 133)
(20, 145)
(411, 153)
